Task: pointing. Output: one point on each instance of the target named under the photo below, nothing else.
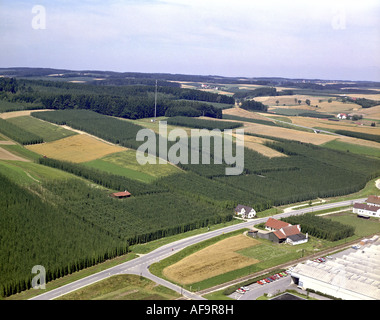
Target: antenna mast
(155, 103)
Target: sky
(334, 39)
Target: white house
(342, 116)
(366, 210)
(245, 212)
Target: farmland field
(6, 155)
(127, 159)
(119, 170)
(214, 260)
(123, 287)
(289, 134)
(69, 189)
(341, 125)
(354, 148)
(77, 148)
(46, 130)
(256, 144)
(26, 173)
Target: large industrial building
(353, 276)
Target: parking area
(276, 283)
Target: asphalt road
(140, 266)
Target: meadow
(123, 287)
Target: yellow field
(341, 125)
(14, 114)
(211, 261)
(238, 112)
(371, 113)
(78, 148)
(256, 144)
(289, 134)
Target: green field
(26, 173)
(354, 148)
(127, 159)
(363, 227)
(123, 287)
(119, 170)
(46, 130)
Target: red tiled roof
(285, 232)
(276, 224)
(366, 207)
(373, 199)
(121, 194)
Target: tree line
(126, 101)
(19, 134)
(321, 227)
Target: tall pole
(155, 103)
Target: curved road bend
(140, 266)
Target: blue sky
(335, 39)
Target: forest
(322, 228)
(252, 105)
(38, 232)
(260, 92)
(124, 99)
(202, 123)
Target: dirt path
(6, 155)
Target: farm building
(373, 201)
(279, 231)
(353, 276)
(274, 224)
(245, 212)
(121, 195)
(365, 210)
(342, 116)
(369, 209)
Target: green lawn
(46, 130)
(123, 287)
(363, 227)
